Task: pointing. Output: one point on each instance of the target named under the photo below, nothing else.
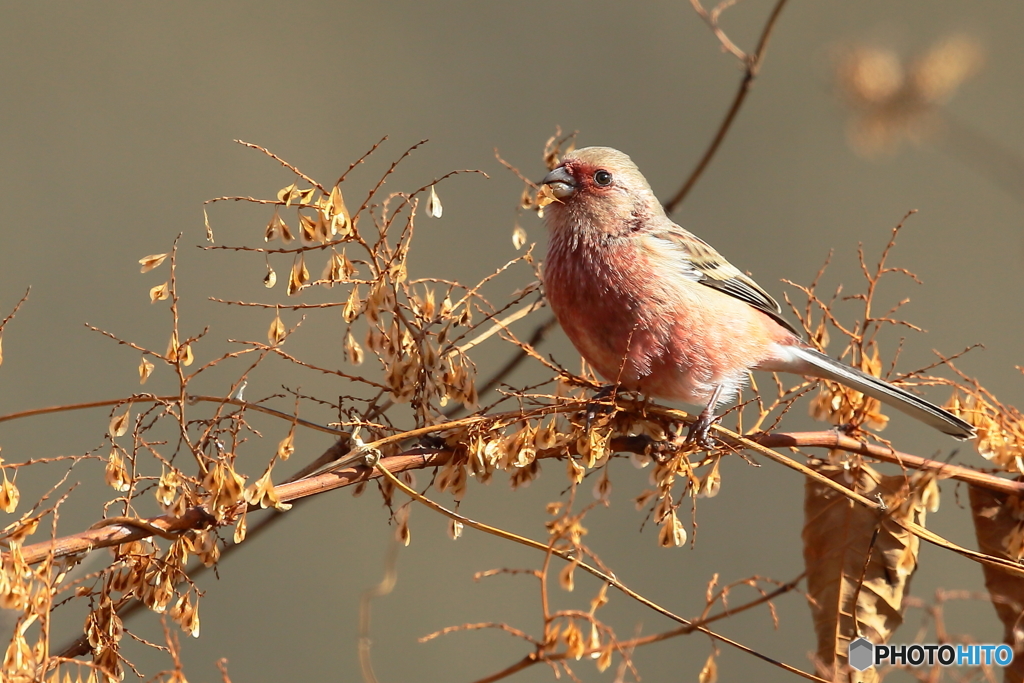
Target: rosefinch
(657, 310)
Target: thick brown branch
(834, 440)
(421, 458)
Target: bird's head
(602, 188)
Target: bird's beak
(561, 182)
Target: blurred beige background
(117, 123)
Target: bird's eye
(603, 178)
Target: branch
(753, 64)
(422, 458)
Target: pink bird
(655, 309)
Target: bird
(655, 309)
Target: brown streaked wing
(715, 272)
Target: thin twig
(753, 67)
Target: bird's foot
(697, 437)
(699, 434)
(597, 405)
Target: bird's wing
(701, 263)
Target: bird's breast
(641, 321)
(601, 297)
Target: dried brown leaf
(172, 348)
(837, 536)
(152, 261)
(299, 275)
(287, 445)
(518, 236)
(277, 332)
(341, 221)
(575, 645)
(307, 229)
(288, 194)
(402, 533)
(353, 351)
(565, 577)
(999, 526)
(119, 423)
(709, 673)
(159, 293)
(545, 196)
(352, 306)
(240, 528)
(145, 369)
(672, 533)
(116, 474)
(434, 208)
(9, 494)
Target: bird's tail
(826, 368)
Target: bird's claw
(596, 405)
(699, 434)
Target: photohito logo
(863, 654)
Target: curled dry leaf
(116, 474)
(341, 268)
(293, 193)
(712, 482)
(454, 529)
(402, 533)
(518, 236)
(206, 223)
(145, 369)
(594, 644)
(240, 528)
(277, 332)
(352, 306)
(341, 221)
(119, 423)
(172, 348)
(299, 275)
(672, 533)
(544, 197)
(353, 351)
(565, 577)
(270, 279)
(434, 209)
(286, 194)
(150, 262)
(1000, 428)
(225, 487)
(709, 674)
(159, 293)
(575, 470)
(277, 228)
(287, 445)
(9, 494)
(263, 493)
(167, 488)
(307, 229)
(575, 645)
(599, 600)
(526, 199)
